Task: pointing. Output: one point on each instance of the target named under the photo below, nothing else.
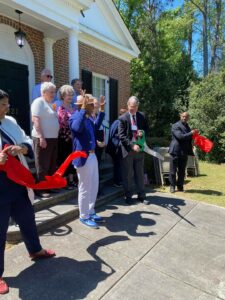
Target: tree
(202, 6)
(163, 71)
(207, 110)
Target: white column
(49, 62)
(73, 54)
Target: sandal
(46, 254)
(4, 289)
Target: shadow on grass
(205, 192)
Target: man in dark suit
(129, 128)
(179, 149)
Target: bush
(207, 111)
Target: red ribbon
(16, 172)
(202, 142)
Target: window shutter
(113, 100)
(87, 81)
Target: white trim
(102, 43)
(49, 61)
(100, 76)
(55, 25)
(106, 119)
(13, 53)
(74, 68)
(111, 13)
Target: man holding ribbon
(179, 149)
(130, 127)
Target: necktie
(134, 124)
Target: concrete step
(63, 195)
(60, 213)
(106, 167)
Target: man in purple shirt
(46, 76)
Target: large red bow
(21, 175)
(202, 142)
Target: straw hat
(80, 99)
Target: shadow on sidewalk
(62, 277)
(129, 223)
(172, 204)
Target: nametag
(134, 127)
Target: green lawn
(208, 187)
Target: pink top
(63, 115)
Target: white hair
(47, 86)
(65, 90)
(45, 71)
(133, 99)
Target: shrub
(207, 111)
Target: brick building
(73, 38)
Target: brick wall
(35, 40)
(91, 59)
(97, 61)
(61, 62)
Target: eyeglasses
(49, 76)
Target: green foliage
(162, 73)
(207, 109)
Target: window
(100, 86)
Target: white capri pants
(88, 177)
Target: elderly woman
(45, 133)
(14, 199)
(83, 135)
(65, 110)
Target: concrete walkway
(171, 249)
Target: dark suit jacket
(181, 143)
(114, 147)
(125, 133)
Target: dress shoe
(4, 289)
(117, 185)
(128, 200)
(172, 189)
(144, 200)
(180, 188)
(42, 194)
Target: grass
(208, 187)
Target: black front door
(14, 80)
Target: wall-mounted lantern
(20, 36)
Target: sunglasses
(49, 76)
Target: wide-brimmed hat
(80, 99)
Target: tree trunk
(215, 44)
(190, 38)
(205, 39)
